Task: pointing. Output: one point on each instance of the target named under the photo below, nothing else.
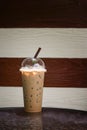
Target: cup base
(33, 111)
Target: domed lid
(32, 64)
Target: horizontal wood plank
(46, 13)
(61, 72)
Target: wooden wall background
(46, 13)
(61, 72)
(69, 43)
(63, 44)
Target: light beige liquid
(33, 90)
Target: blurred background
(55, 42)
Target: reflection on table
(48, 119)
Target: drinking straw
(36, 54)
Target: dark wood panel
(43, 13)
(61, 72)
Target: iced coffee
(33, 71)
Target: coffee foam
(35, 67)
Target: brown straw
(36, 54)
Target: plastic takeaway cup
(33, 71)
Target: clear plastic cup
(33, 70)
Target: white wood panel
(55, 42)
(72, 98)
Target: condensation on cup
(33, 71)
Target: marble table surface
(48, 119)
